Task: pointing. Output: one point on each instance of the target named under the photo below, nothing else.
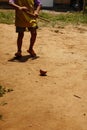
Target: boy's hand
(36, 14)
(24, 8)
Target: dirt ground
(57, 101)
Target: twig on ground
(76, 96)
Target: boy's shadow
(23, 58)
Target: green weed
(3, 90)
(8, 17)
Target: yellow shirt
(22, 18)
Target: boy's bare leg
(19, 43)
(32, 42)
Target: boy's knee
(34, 33)
(21, 35)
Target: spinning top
(42, 72)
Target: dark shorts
(22, 29)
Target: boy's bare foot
(18, 54)
(42, 72)
(32, 53)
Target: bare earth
(57, 101)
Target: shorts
(23, 29)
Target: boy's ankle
(19, 51)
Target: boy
(26, 15)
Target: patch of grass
(3, 90)
(73, 18)
(7, 16)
